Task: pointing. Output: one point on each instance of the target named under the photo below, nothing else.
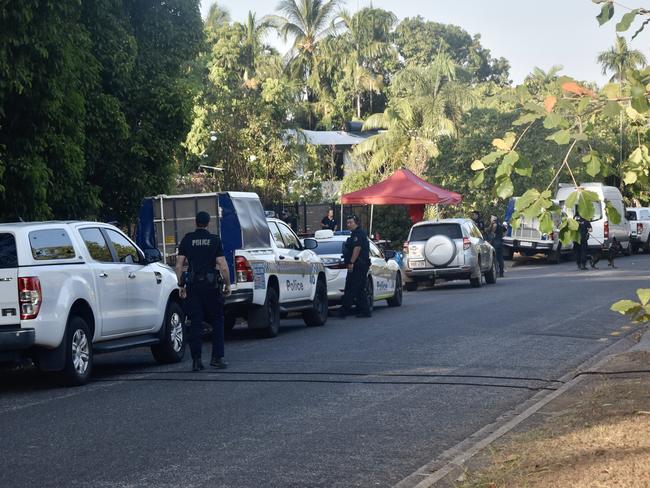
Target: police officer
(204, 288)
(357, 257)
(581, 248)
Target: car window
(476, 232)
(126, 252)
(8, 254)
(631, 215)
(374, 250)
(425, 232)
(275, 232)
(290, 239)
(96, 245)
(51, 244)
(329, 247)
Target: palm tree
(253, 32)
(217, 17)
(427, 104)
(619, 59)
(538, 79)
(308, 23)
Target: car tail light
(639, 228)
(243, 270)
(405, 247)
(606, 230)
(466, 243)
(30, 297)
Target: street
(358, 402)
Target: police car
(384, 277)
(271, 271)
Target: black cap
(202, 218)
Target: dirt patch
(596, 435)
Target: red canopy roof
(402, 188)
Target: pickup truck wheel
(317, 315)
(370, 294)
(172, 345)
(78, 353)
(396, 299)
(266, 317)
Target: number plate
(526, 244)
(417, 264)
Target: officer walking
(204, 288)
(581, 248)
(357, 257)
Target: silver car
(451, 249)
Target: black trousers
(582, 253)
(355, 290)
(205, 304)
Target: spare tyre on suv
(452, 249)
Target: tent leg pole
(342, 228)
(372, 211)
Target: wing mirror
(152, 255)
(310, 243)
(389, 254)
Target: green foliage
(639, 312)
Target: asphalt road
(357, 403)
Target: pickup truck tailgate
(9, 306)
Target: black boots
(197, 365)
(218, 363)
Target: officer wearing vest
(204, 288)
(357, 257)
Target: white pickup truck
(639, 219)
(272, 272)
(69, 290)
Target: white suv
(69, 290)
(452, 249)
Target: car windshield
(425, 232)
(329, 247)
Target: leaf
(639, 99)
(626, 21)
(554, 120)
(549, 103)
(606, 13)
(492, 157)
(612, 213)
(625, 307)
(630, 177)
(501, 144)
(524, 168)
(546, 223)
(526, 119)
(637, 156)
(585, 207)
(571, 200)
(511, 158)
(477, 181)
(644, 295)
(504, 169)
(612, 109)
(505, 188)
(477, 165)
(611, 90)
(560, 137)
(593, 166)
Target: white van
(602, 229)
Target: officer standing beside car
(204, 288)
(358, 263)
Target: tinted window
(289, 237)
(329, 247)
(424, 232)
(126, 252)
(51, 244)
(277, 237)
(631, 215)
(8, 255)
(96, 245)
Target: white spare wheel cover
(440, 250)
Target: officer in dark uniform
(204, 288)
(357, 257)
(581, 248)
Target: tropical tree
(619, 59)
(538, 80)
(217, 17)
(254, 31)
(427, 103)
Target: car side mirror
(389, 254)
(152, 256)
(310, 243)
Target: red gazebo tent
(403, 188)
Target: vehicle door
(381, 276)
(296, 264)
(483, 247)
(110, 283)
(143, 283)
(9, 304)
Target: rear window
(424, 232)
(51, 244)
(329, 247)
(630, 215)
(8, 255)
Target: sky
(528, 33)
